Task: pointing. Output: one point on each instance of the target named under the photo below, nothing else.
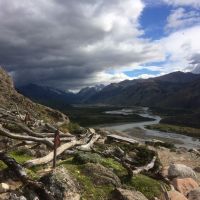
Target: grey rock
(61, 185)
(194, 194)
(101, 175)
(14, 196)
(124, 194)
(181, 171)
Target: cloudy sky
(70, 44)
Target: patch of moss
(71, 127)
(83, 158)
(19, 156)
(2, 165)
(32, 175)
(117, 168)
(146, 185)
(35, 169)
(89, 190)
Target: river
(137, 130)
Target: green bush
(148, 186)
(83, 158)
(2, 165)
(74, 128)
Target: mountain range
(174, 90)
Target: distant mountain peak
(177, 77)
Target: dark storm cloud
(63, 43)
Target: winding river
(132, 129)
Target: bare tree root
(38, 187)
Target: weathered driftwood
(20, 172)
(146, 167)
(121, 138)
(89, 145)
(48, 158)
(30, 132)
(122, 159)
(14, 146)
(13, 165)
(8, 134)
(53, 129)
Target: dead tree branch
(8, 134)
(20, 172)
(48, 158)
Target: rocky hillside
(10, 99)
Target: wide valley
(131, 122)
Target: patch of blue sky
(138, 72)
(153, 21)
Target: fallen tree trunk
(13, 165)
(52, 128)
(30, 132)
(89, 145)
(38, 187)
(8, 134)
(146, 167)
(122, 160)
(48, 158)
(113, 137)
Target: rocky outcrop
(197, 169)
(61, 185)
(4, 187)
(180, 171)
(10, 99)
(174, 195)
(101, 175)
(124, 194)
(194, 194)
(185, 185)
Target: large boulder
(14, 196)
(26, 150)
(101, 175)
(61, 185)
(124, 194)
(180, 171)
(194, 194)
(87, 157)
(185, 185)
(4, 187)
(174, 195)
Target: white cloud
(174, 3)
(106, 78)
(193, 3)
(180, 18)
(179, 47)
